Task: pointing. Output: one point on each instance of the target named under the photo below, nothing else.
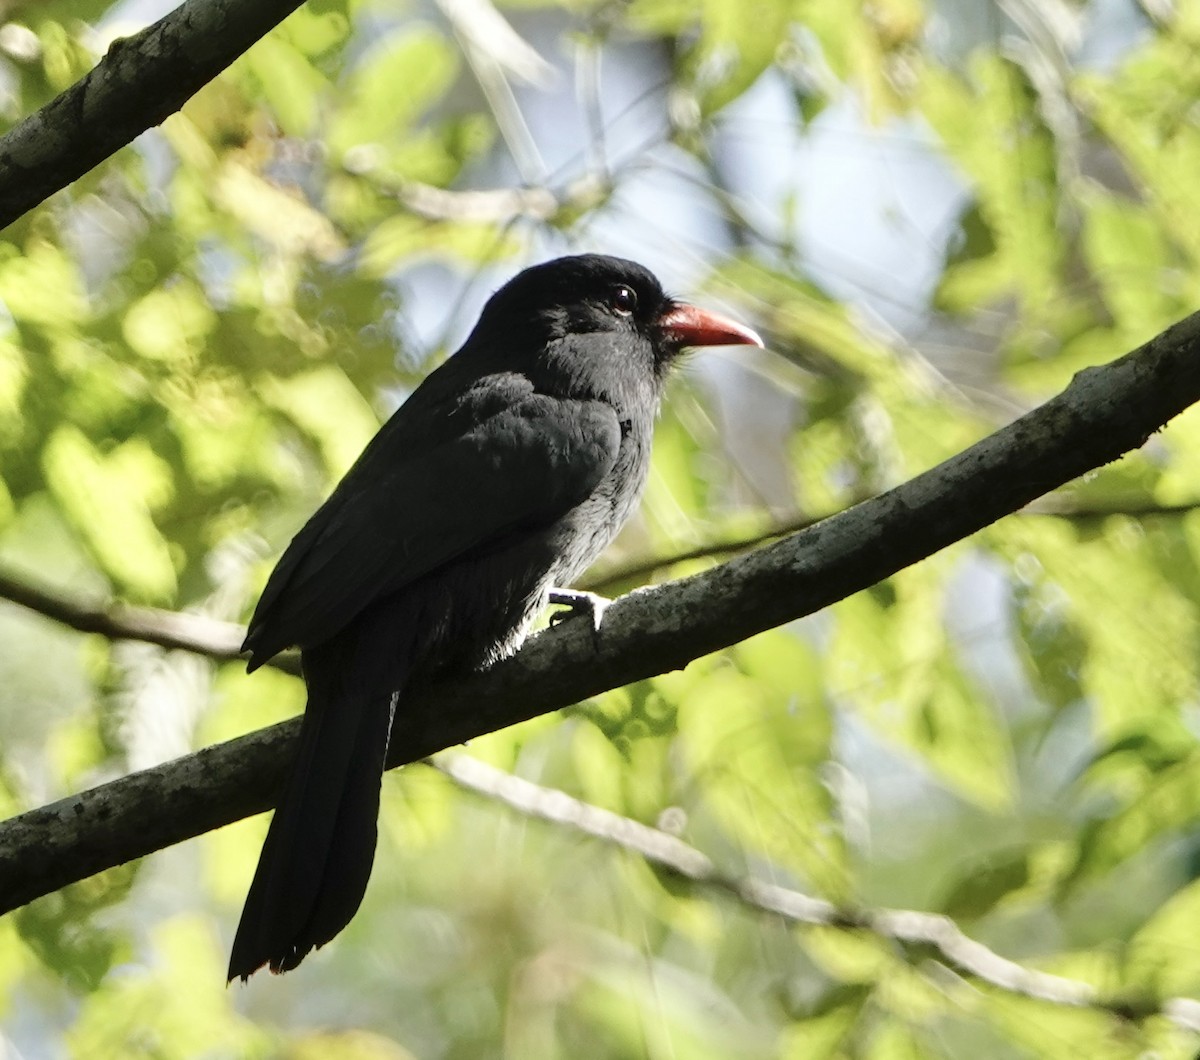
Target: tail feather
(317, 857)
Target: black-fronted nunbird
(505, 474)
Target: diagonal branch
(139, 82)
(907, 926)
(1104, 413)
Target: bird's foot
(579, 602)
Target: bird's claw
(578, 602)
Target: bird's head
(599, 310)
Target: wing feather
(399, 515)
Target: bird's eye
(623, 300)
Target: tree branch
(907, 926)
(116, 621)
(1104, 413)
(496, 205)
(139, 82)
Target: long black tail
(316, 860)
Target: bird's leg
(579, 602)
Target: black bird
(506, 473)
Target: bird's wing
(398, 516)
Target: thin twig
(1058, 506)
(116, 621)
(638, 569)
(491, 205)
(907, 926)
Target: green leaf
(1051, 1031)
(893, 662)
(848, 955)
(176, 1007)
(109, 498)
(1158, 958)
(1137, 629)
(65, 932)
(324, 404)
(990, 124)
(822, 1033)
(1168, 802)
(170, 323)
(279, 216)
(291, 85)
(401, 76)
(897, 1042)
(14, 378)
(984, 885)
(732, 50)
(403, 237)
(1130, 254)
(756, 750)
(41, 286)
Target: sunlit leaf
(1138, 627)
(169, 324)
(820, 1034)
(65, 929)
(110, 499)
(1046, 1030)
(983, 886)
(849, 956)
(346, 1045)
(172, 1005)
(756, 757)
(325, 405)
(922, 698)
(400, 76)
(41, 286)
(1168, 801)
(278, 215)
(1159, 958)
(291, 85)
(990, 124)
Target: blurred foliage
(198, 337)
